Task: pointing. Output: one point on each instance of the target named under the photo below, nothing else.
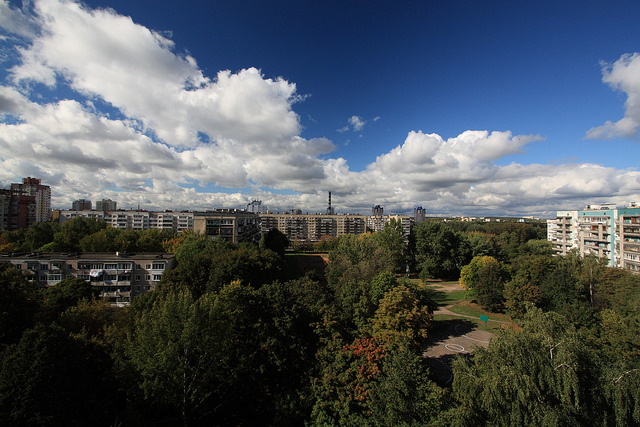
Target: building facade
(106, 205)
(233, 225)
(605, 231)
(118, 277)
(81, 205)
(25, 204)
(309, 228)
(135, 219)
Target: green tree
(51, 379)
(484, 278)
(71, 233)
(440, 252)
(171, 348)
(67, 293)
(274, 240)
(246, 263)
(542, 375)
(391, 238)
(401, 316)
(19, 304)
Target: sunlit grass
(470, 309)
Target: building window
(138, 267)
(111, 266)
(148, 277)
(137, 277)
(148, 266)
(18, 266)
(157, 277)
(158, 266)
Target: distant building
(81, 205)
(25, 204)
(309, 228)
(118, 277)
(135, 219)
(106, 205)
(235, 226)
(419, 215)
(5, 209)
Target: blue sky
(464, 108)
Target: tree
(440, 252)
(19, 304)
(67, 293)
(71, 233)
(542, 375)
(171, 348)
(401, 316)
(484, 277)
(391, 238)
(51, 379)
(245, 263)
(372, 382)
(275, 240)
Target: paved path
(458, 339)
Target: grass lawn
(470, 309)
(479, 324)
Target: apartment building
(135, 219)
(106, 205)
(300, 227)
(233, 225)
(81, 205)
(24, 204)
(563, 231)
(604, 230)
(119, 277)
(627, 238)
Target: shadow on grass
(440, 368)
(442, 330)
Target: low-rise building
(119, 277)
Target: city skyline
(477, 109)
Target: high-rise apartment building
(81, 205)
(30, 202)
(106, 205)
(419, 214)
(5, 209)
(602, 230)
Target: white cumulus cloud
(623, 75)
(145, 125)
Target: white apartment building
(563, 231)
(602, 230)
(136, 219)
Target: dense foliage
(83, 235)
(231, 337)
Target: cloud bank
(142, 124)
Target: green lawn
(479, 324)
(470, 309)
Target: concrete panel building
(118, 277)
